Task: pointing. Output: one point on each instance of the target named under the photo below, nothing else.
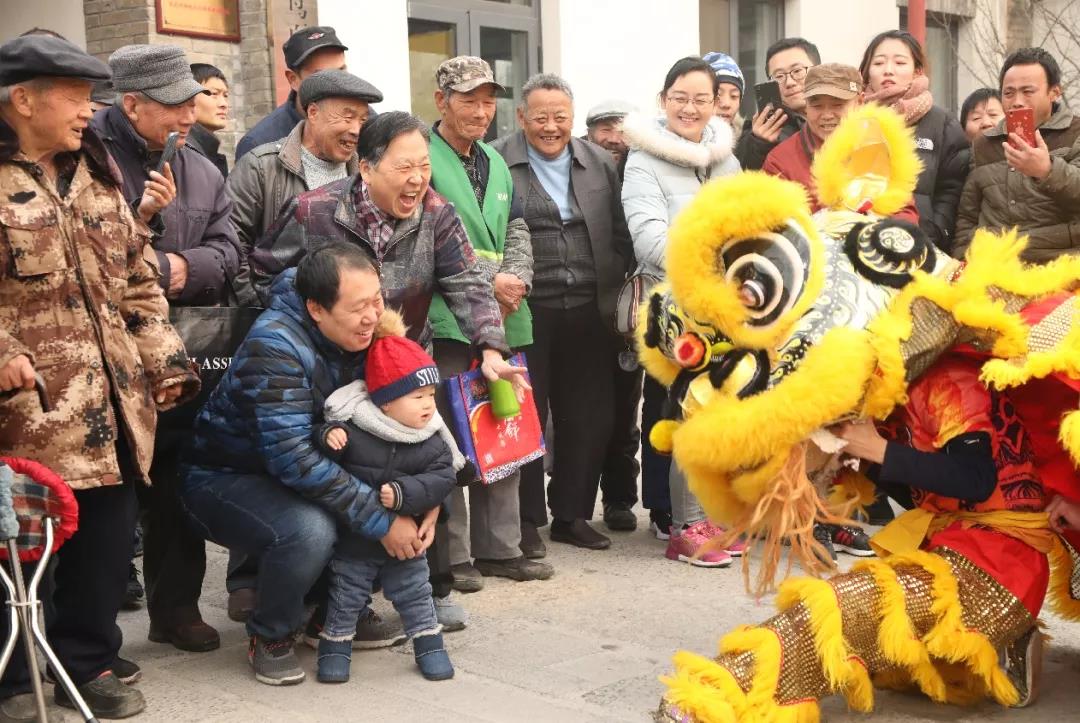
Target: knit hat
(396, 366)
(726, 69)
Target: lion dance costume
(774, 325)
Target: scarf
(352, 403)
(912, 102)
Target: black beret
(334, 83)
(34, 56)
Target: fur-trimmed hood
(651, 135)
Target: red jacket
(791, 159)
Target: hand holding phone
(1021, 121)
(169, 152)
(768, 93)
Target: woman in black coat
(894, 68)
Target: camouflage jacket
(79, 296)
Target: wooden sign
(285, 18)
(213, 19)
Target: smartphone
(1021, 121)
(768, 93)
(170, 150)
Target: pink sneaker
(684, 545)
(736, 548)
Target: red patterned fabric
(38, 492)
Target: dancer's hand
(1064, 515)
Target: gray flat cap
(334, 83)
(32, 56)
(160, 71)
(609, 110)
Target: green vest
(486, 228)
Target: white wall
(841, 29)
(377, 34)
(63, 16)
(616, 48)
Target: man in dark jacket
(1016, 185)
(211, 115)
(258, 483)
(570, 192)
(197, 254)
(307, 51)
(786, 62)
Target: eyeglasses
(701, 101)
(796, 74)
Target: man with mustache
(319, 150)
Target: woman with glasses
(670, 158)
(895, 70)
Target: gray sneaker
(451, 616)
(517, 568)
(274, 661)
(21, 709)
(106, 696)
(373, 631)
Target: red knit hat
(396, 366)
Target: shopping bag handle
(42, 392)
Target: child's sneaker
(334, 659)
(736, 548)
(432, 658)
(660, 524)
(852, 540)
(683, 546)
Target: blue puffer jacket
(260, 418)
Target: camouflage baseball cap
(464, 73)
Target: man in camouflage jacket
(80, 306)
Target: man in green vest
(477, 181)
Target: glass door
(506, 45)
(435, 34)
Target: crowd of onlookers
(389, 254)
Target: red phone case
(1021, 122)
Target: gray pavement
(587, 645)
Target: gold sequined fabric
(933, 331)
(801, 676)
(1074, 579)
(918, 587)
(988, 606)
(1053, 327)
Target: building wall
(63, 16)
(840, 28)
(378, 41)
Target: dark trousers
(291, 537)
(83, 594)
(570, 367)
(174, 554)
(619, 479)
(655, 467)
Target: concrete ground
(587, 645)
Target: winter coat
(261, 183)
(793, 160)
(428, 251)
(663, 173)
(594, 181)
(79, 296)
(751, 151)
(272, 128)
(260, 420)
(195, 225)
(945, 153)
(208, 145)
(996, 197)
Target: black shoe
(241, 603)
(127, 671)
(579, 534)
(138, 541)
(466, 578)
(106, 696)
(619, 519)
(532, 546)
(194, 637)
(660, 524)
(518, 568)
(880, 512)
(852, 540)
(823, 536)
(134, 594)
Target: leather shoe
(517, 568)
(532, 546)
(241, 603)
(578, 533)
(619, 519)
(466, 578)
(196, 637)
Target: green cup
(504, 402)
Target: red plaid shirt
(379, 226)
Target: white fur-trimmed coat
(663, 172)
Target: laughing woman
(671, 157)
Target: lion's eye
(769, 271)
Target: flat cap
(306, 41)
(160, 71)
(335, 83)
(833, 79)
(464, 73)
(608, 110)
(34, 56)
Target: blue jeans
(291, 537)
(404, 583)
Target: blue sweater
(261, 417)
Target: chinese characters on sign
(285, 18)
(213, 19)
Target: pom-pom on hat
(397, 366)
